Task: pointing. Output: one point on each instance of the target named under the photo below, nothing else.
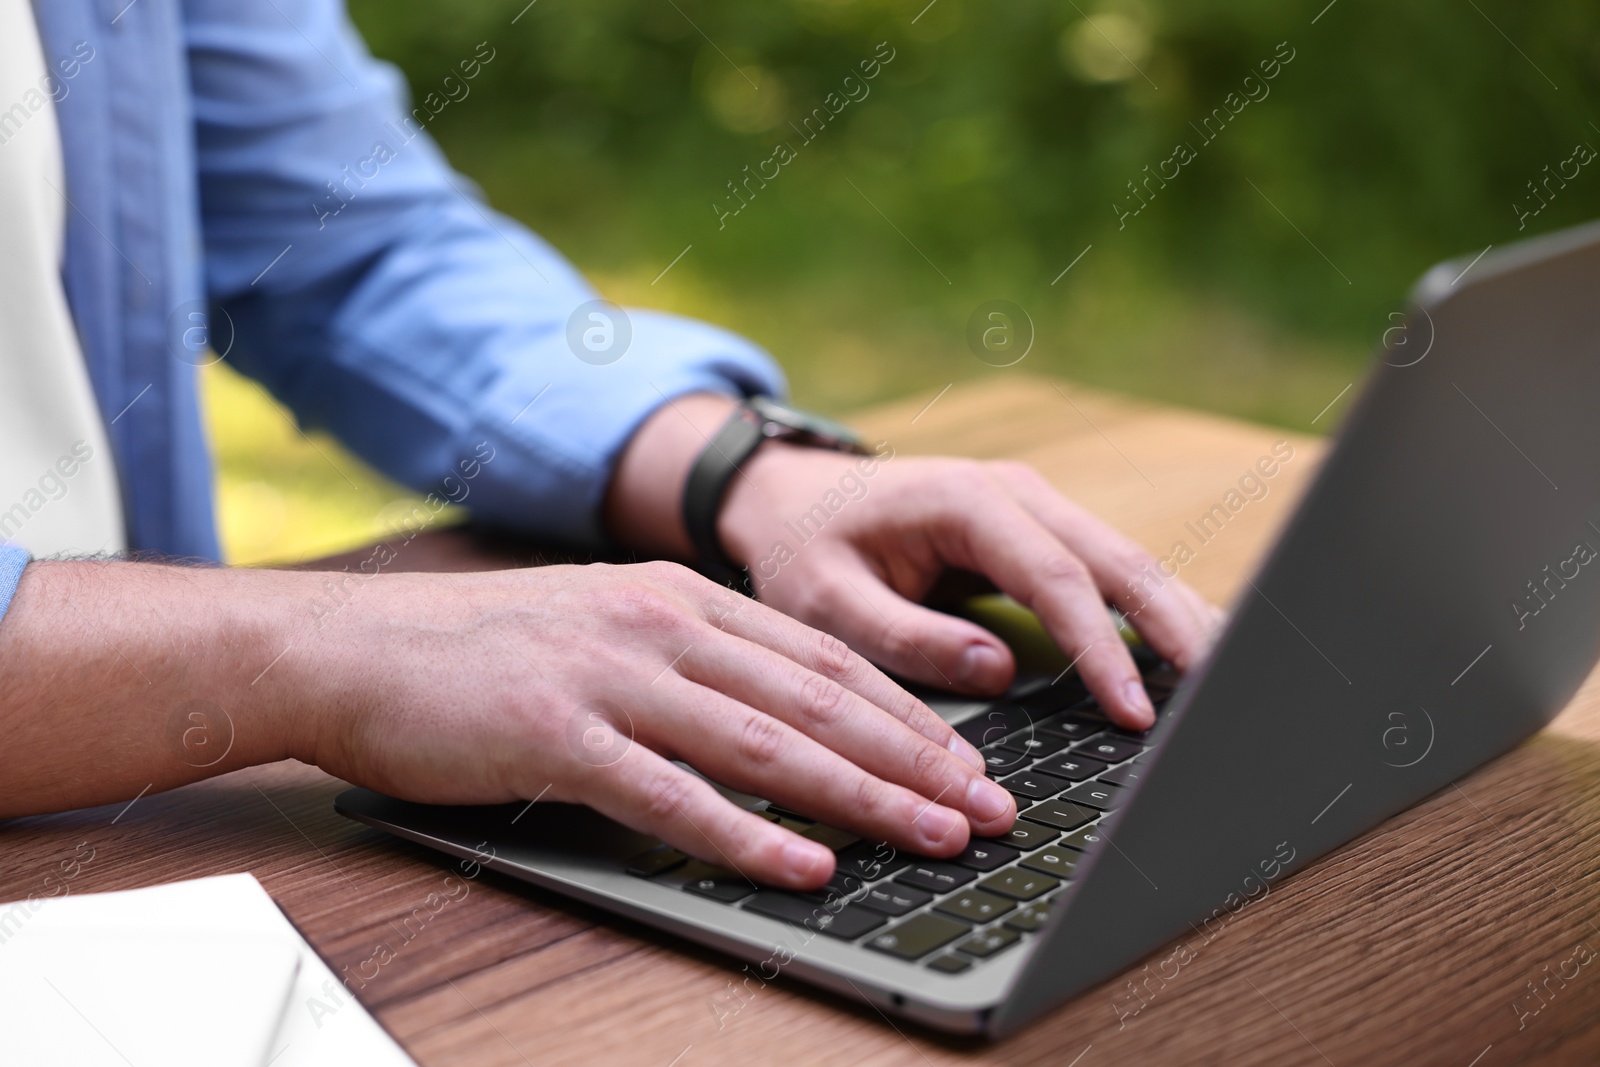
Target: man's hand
(555, 683)
(587, 681)
(850, 545)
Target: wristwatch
(756, 419)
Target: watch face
(801, 423)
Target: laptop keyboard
(1065, 763)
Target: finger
(843, 721)
(911, 639)
(831, 657)
(649, 794)
(1210, 618)
(1165, 611)
(755, 753)
(978, 525)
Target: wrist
(295, 659)
(643, 507)
(786, 495)
(238, 642)
(746, 524)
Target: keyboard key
(975, 906)
(1000, 721)
(1071, 766)
(891, 899)
(1100, 795)
(1027, 835)
(949, 964)
(1072, 726)
(1110, 749)
(1083, 839)
(1054, 860)
(846, 923)
(658, 860)
(1002, 761)
(1053, 698)
(833, 838)
(785, 813)
(1033, 785)
(918, 936)
(986, 943)
(1030, 918)
(1034, 745)
(790, 907)
(726, 887)
(842, 886)
(1126, 774)
(1019, 884)
(870, 861)
(935, 876)
(1062, 814)
(984, 855)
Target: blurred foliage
(283, 494)
(989, 153)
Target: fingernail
(986, 800)
(802, 857)
(979, 666)
(936, 824)
(1139, 702)
(960, 747)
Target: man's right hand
(584, 683)
(562, 683)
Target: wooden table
(1414, 945)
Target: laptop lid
(1433, 600)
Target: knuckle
(927, 761)
(822, 701)
(1063, 567)
(664, 571)
(1132, 559)
(831, 657)
(761, 740)
(896, 647)
(669, 799)
(973, 477)
(868, 798)
(917, 716)
(813, 601)
(649, 608)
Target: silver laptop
(1433, 600)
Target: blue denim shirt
(246, 170)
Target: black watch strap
(708, 482)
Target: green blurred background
(987, 155)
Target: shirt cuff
(13, 558)
(558, 443)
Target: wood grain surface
(1415, 944)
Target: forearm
(115, 677)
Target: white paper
(150, 976)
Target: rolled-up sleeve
(13, 560)
(371, 290)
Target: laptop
(1433, 600)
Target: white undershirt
(58, 484)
